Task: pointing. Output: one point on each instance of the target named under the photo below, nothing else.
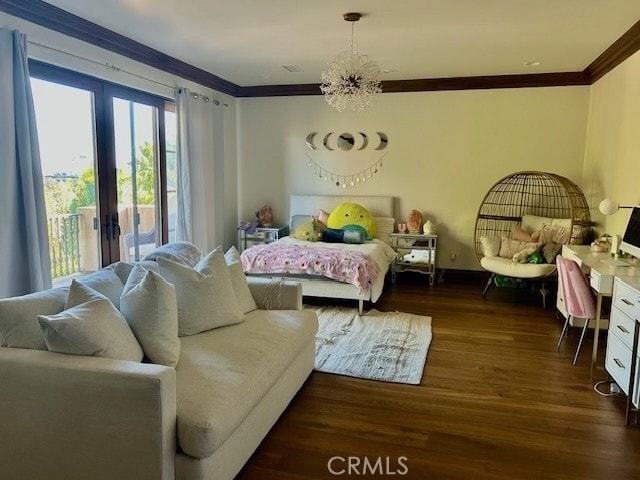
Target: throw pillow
(309, 231)
(19, 317)
(205, 294)
(323, 217)
(509, 247)
(149, 306)
(94, 328)
(123, 269)
(550, 251)
(296, 220)
(184, 253)
(239, 281)
(490, 246)
(79, 293)
(107, 283)
(549, 233)
(384, 228)
(518, 233)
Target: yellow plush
(352, 214)
(310, 230)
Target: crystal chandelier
(351, 80)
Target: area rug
(385, 346)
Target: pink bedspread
(342, 265)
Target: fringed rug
(385, 346)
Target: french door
(103, 149)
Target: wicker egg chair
(531, 193)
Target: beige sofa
(74, 417)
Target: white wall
(446, 150)
(41, 35)
(612, 157)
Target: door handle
(115, 228)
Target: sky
(64, 117)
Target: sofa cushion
(19, 317)
(224, 373)
(506, 267)
(205, 293)
(149, 305)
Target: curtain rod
(118, 69)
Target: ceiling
(248, 42)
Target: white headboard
(379, 206)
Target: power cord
(614, 389)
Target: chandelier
(351, 80)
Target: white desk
(601, 280)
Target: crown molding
(59, 20)
(618, 52)
(54, 18)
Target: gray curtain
(24, 248)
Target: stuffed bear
(414, 222)
(309, 230)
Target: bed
(315, 285)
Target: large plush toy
(348, 234)
(347, 214)
(309, 230)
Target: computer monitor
(631, 239)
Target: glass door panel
(136, 152)
(172, 172)
(66, 133)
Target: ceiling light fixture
(351, 80)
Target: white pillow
(93, 328)
(19, 317)
(123, 269)
(239, 281)
(490, 246)
(107, 283)
(149, 306)
(384, 228)
(205, 294)
(80, 293)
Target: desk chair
(578, 297)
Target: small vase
(429, 228)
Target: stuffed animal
(309, 230)
(414, 222)
(352, 214)
(265, 216)
(348, 234)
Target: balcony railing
(64, 244)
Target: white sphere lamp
(608, 206)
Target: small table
(415, 252)
(260, 235)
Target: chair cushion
(506, 267)
(224, 373)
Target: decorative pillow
(550, 251)
(93, 328)
(107, 283)
(490, 246)
(19, 317)
(523, 255)
(239, 281)
(518, 233)
(549, 233)
(509, 247)
(350, 234)
(296, 220)
(384, 228)
(352, 214)
(310, 231)
(123, 269)
(205, 294)
(323, 217)
(79, 293)
(149, 306)
(184, 253)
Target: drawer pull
(622, 329)
(624, 300)
(619, 363)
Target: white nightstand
(415, 252)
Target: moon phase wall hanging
(346, 142)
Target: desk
(601, 280)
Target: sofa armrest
(85, 417)
(275, 294)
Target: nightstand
(260, 235)
(415, 252)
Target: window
(104, 162)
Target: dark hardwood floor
(497, 400)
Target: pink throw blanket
(342, 265)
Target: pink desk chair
(578, 297)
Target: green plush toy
(352, 214)
(536, 257)
(309, 230)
